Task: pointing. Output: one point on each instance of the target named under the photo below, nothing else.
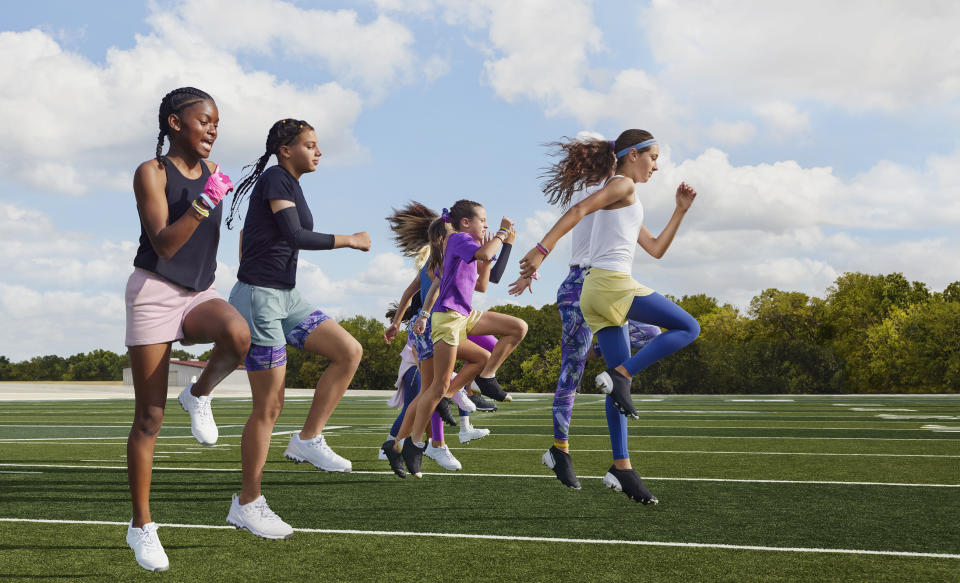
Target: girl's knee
(236, 337)
(522, 328)
(148, 422)
(353, 352)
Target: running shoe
(412, 457)
(483, 405)
(202, 425)
(381, 455)
(317, 452)
(146, 547)
(492, 389)
(443, 410)
(617, 386)
(629, 482)
(463, 401)
(257, 517)
(471, 433)
(560, 462)
(394, 457)
(442, 456)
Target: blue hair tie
(613, 145)
(639, 146)
(445, 215)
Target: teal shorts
(271, 313)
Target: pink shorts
(156, 308)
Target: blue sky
(816, 152)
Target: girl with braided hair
(170, 296)
(277, 226)
(599, 177)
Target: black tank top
(195, 264)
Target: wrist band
(423, 314)
(200, 210)
(543, 249)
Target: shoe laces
(203, 408)
(264, 509)
(320, 443)
(148, 539)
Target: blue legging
(682, 329)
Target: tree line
(870, 334)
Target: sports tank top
(194, 265)
(613, 240)
(580, 237)
(425, 282)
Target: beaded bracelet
(423, 314)
(543, 249)
(200, 210)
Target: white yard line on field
(537, 539)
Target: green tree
(178, 354)
(97, 365)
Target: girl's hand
(420, 325)
(360, 241)
(523, 283)
(531, 262)
(506, 224)
(685, 196)
(391, 332)
(512, 236)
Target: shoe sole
(445, 467)
(202, 442)
(257, 534)
(469, 439)
(300, 460)
(154, 569)
(607, 389)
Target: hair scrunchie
(613, 145)
(445, 215)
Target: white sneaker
(471, 433)
(382, 455)
(442, 456)
(258, 519)
(317, 452)
(146, 547)
(463, 401)
(202, 425)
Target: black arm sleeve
(288, 221)
(501, 265)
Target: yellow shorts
(606, 297)
(452, 327)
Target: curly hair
(584, 162)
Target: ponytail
(410, 226)
(438, 237)
(584, 162)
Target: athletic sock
(465, 423)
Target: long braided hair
(585, 162)
(282, 133)
(174, 103)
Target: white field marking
(537, 539)
(13, 472)
(909, 417)
(121, 459)
(469, 475)
(866, 409)
(328, 428)
(942, 428)
(706, 452)
(493, 423)
(642, 436)
(759, 400)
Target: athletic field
(838, 488)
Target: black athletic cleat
(443, 410)
(560, 462)
(413, 456)
(483, 405)
(617, 386)
(492, 389)
(629, 482)
(395, 458)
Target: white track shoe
(258, 519)
(442, 456)
(202, 425)
(462, 399)
(471, 433)
(146, 547)
(317, 452)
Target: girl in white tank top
(610, 295)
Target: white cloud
(783, 118)
(859, 55)
(731, 133)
